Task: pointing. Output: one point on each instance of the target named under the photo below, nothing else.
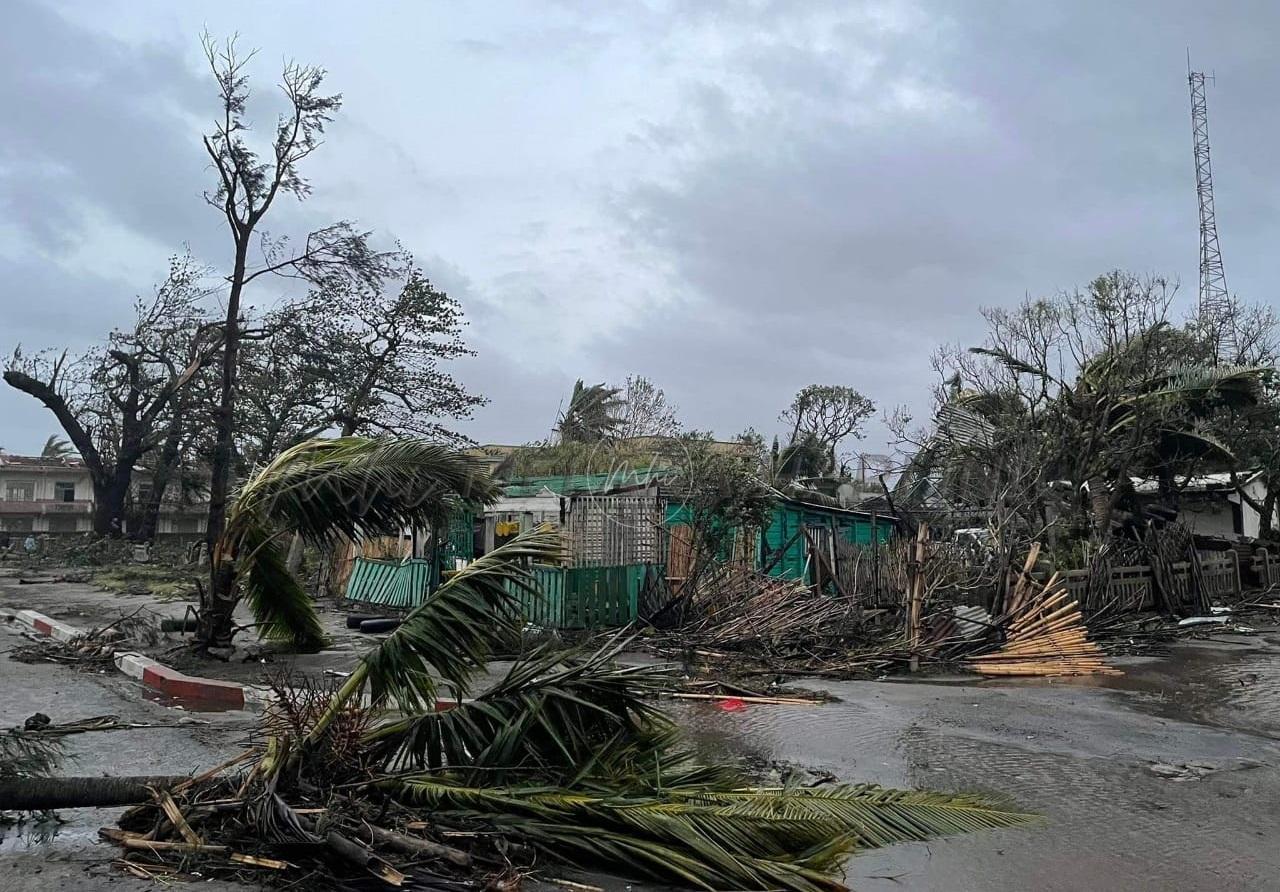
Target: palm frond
(353, 487)
(556, 715)
(451, 634)
(1011, 362)
(790, 838)
(1206, 388)
(280, 604)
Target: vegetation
(1045, 425)
(322, 490)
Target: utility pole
(1214, 309)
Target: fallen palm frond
(328, 490)
(790, 837)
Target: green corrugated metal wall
(788, 518)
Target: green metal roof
(575, 484)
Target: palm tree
(323, 490)
(56, 447)
(593, 414)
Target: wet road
(69, 856)
(1079, 752)
(1084, 756)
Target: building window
(24, 491)
(64, 491)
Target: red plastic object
(732, 704)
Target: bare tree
(645, 411)
(822, 416)
(246, 190)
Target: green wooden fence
(587, 597)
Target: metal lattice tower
(1215, 303)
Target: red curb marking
(175, 684)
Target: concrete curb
(160, 677)
(156, 676)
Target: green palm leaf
(448, 638)
(1011, 362)
(555, 715)
(279, 603)
(353, 487)
(329, 489)
(790, 838)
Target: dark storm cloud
(93, 125)
(837, 228)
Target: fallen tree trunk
(41, 793)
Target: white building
(55, 495)
(1211, 506)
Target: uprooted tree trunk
(44, 793)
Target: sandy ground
(1086, 756)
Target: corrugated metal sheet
(573, 484)
(398, 584)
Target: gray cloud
(733, 199)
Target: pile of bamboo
(738, 606)
(1044, 634)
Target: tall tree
(822, 416)
(391, 347)
(645, 411)
(246, 190)
(110, 401)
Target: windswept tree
(111, 402)
(1090, 388)
(56, 447)
(325, 491)
(248, 184)
(593, 414)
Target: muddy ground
(1166, 778)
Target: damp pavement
(69, 856)
(1165, 778)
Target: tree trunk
(220, 600)
(41, 793)
(1267, 514)
(216, 625)
(161, 478)
(109, 497)
(1100, 504)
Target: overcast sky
(733, 199)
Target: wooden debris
(1044, 633)
(255, 861)
(174, 814)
